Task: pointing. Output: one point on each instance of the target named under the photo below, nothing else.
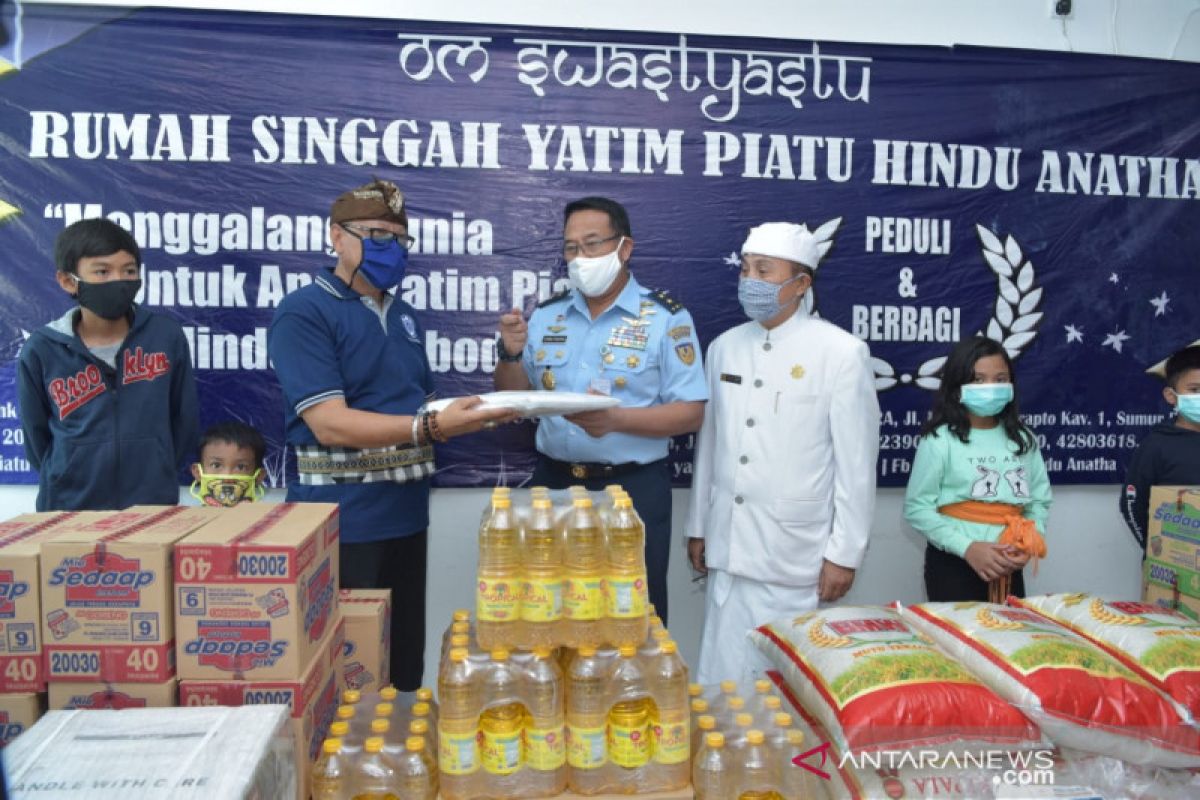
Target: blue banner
(1046, 199)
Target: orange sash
(1019, 532)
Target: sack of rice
(1081, 697)
(875, 683)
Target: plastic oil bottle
(330, 772)
(704, 725)
(630, 742)
(545, 726)
(626, 592)
(497, 590)
(713, 774)
(756, 779)
(779, 746)
(375, 773)
(587, 747)
(583, 567)
(414, 772)
(458, 749)
(672, 739)
(419, 727)
(502, 724)
(542, 579)
(719, 707)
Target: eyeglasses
(382, 236)
(589, 247)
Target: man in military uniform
(610, 335)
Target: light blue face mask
(760, 299)
(1188, 406)
(986, 399)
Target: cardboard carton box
(18, 712)
(68, 695)
(152, 753)
(107, 608)
(1169, 598)
(256, 591)
(22, 663)
(312, 699)
(368, 615)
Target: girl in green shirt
(977, 473)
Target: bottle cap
(587, 650)
(762, 686)
(795, 736)
(728, 687)
(773, 703)
(699, 705)
(345, 712)
(627, 650)
(622, 502)
(460, 640)
(715, 740)
(500, 654)
(783, 719)
(501, 502)
(754, 737)
(383, 709)
(414, 744)
(460, 627)
(419, 727)
(373, 745)
(501, 491)
(541, 652)
(351, 696)
(380, 726)
(660, 635)
(695, 690)
(388, 693)
(706, 722)
(331, 746)
(458, 654)
(339, 729)
(421, 709)
(542, 504)
(736, 703)
(744, 720)
(462, 615)
(582, 502)
(424, 694)
(613, 488)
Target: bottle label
(627, 596)
(497, 600)
(671, 742)
(501, 752)
(546, 748)
(629, 745)
(583, 598)
(586, 747)
(542, 599)
(458, 753)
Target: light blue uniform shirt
(643, 349)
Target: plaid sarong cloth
(329, 466)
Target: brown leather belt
(582, 471)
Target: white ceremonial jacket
(784, 472)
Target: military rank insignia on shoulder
(563, 295)
(666, 301)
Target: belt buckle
(578, 471)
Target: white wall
(1090, 547)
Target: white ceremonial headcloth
(785, 240)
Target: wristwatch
(504, 355)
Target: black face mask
(109, 300)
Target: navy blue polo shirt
(328, 341)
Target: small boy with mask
(230, 469)
(1170, 453)
(106, 393)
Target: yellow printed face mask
(227, 490)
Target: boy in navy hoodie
(106, 393)
(1170, 454)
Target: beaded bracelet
(425, 427)
(438, 436)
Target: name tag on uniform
(725, 376)
(554, 339)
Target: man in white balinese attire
(783, 487)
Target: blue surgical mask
(986, 399)
(383, 264)
(1188, 406)
(760, 299)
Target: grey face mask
(760, 299)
